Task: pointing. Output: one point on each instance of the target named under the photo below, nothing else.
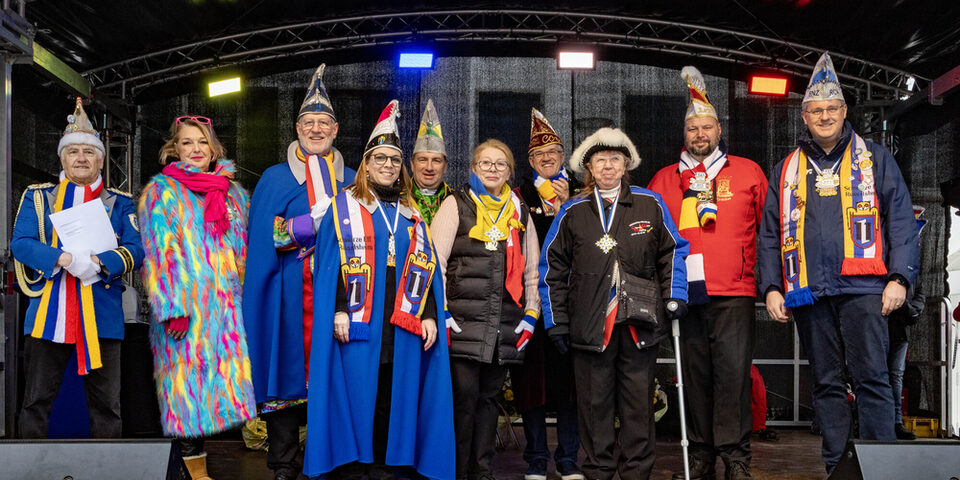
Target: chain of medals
(828, 181)
(391, 243)
(493, 234)
(703, 186)
(606, 242)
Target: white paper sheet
(85, 226)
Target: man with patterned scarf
(288, 204)
(838, 248)
(75, 296)
(534, 384)
(716, 200)
(428, 165)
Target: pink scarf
(213, 187)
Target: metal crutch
(684, 443)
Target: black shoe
(767, 435)
(537, 471)
(699, 470)
(903, 433)
(737, 471)
(285, 476)
(569, 471)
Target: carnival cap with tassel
(824, 83)
(80, 131)
(699, 105)
(541, 132)
(604, 139)
(429, 136)
(385, 131)
(317, 100)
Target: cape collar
(299, 169)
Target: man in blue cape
(288, 203)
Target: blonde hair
(493, 143)
(169, 149)
(363, 191)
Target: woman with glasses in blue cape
(382, 403)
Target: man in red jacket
(716, 200)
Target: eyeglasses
(324, 125)
(488, 165)
(830, 110)
(555, 152)
(380, 159)
(195, 118)
(612, 159)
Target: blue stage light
(416, 60)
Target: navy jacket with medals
(824, 230)
(343, 391)
(35, 252)
(273, 283)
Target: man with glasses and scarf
(838, 248)
(546, 376)
(288, 203)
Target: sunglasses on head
(196, 118)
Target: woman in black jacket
(610, 261)
(487, 249)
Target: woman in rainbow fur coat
(193, 225)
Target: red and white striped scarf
(66, 313)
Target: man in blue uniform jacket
(75, 294)
(839, 247)
(288, 203)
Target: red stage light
(767, 85)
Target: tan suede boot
(197, 466)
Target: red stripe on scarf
(307, 314)
(515, 265)
(71, 312)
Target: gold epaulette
(40, 186)
(120, 192)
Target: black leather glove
(675, 313)
(561, 342)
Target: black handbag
(641, 299)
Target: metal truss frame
(868, 79)
(119, 159)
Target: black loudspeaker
(91, 460)
(920, 460)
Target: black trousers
(45, 362)
(619, 379)
(716, 344)
(475, 412)
(283, 433)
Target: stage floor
(796, 456)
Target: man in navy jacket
(75, 294)
(839, 247)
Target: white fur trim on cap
(614, 138)
(80, 138)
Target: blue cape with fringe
(343, 377)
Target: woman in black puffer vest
(487, 248)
